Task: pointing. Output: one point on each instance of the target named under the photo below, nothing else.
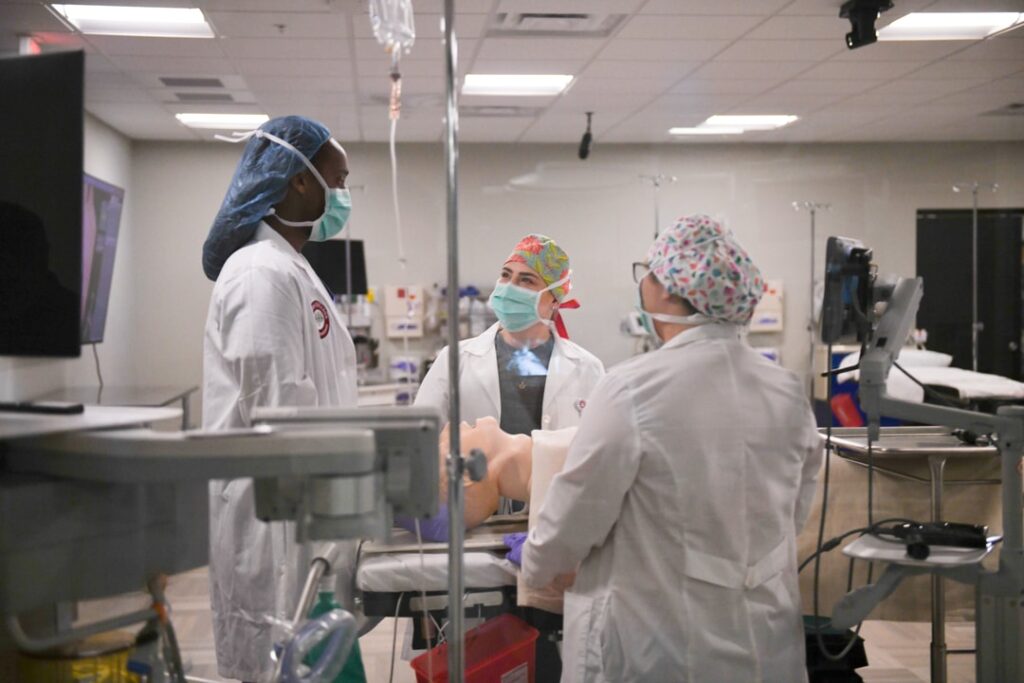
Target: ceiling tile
(780, 51)
(831, 7)
(117, 95)
(269, 25)
(174, 66)
(750, 70)
(290, 84)
(689, 27)
(497, 49)
(747, 86)
(839, 70)
(320, 6)
(429, 25)
(18, 17)
(993, 49)
(654, 71)
(979, 70)
(148, 121)
(803, 86)
(730, 7)
(329, 70)
(410, 70)
(596, 87)
(285, 48)
(683, 51)
(801, 28)
(914, 90)
(428, 50)
(775, 103)
(156, 47)
(909, 51)
(96, 62)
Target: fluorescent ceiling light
(949, 25)
(223, 121)
(706, 130)
(736, 124)
(751, 122)
(116, 20)
(515, 84)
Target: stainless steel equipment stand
(937, 445)
(456, 523)
(813, 208)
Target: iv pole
(455, 468)
(656, 181)
(976, 325)
(813, 208)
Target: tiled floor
(897, 651)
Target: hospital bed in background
(976, 390)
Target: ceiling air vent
(185, 82)
(204, 97)
(558, 24)
(498, 111)
(1012, 109)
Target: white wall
(874, 190)
(107, 156)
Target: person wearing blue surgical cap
(272, 338)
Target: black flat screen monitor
(101, 218)
(41, 120)
(330, 263)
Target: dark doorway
(944, 261)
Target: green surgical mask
(518, 308)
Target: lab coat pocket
(584, 624)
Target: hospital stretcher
(392, 576)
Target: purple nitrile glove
(433, 529)
(515, 544)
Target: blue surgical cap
(260, 182)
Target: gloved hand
(433, 530)
(515, 544)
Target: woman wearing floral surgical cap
(683, 491)
(523, 372)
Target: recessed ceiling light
(515, 84)
(116, 20)
(949, 25)
(708, 130)
(223, 121)
(751, 122)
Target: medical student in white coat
(272, 339)
(684, 489)
(523, 371)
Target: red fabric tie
(559, 323)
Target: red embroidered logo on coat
(321, 318)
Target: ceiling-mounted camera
(862, 15)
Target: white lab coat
(680, 502)
(573, 372)
(272, 339)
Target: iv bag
(393, 25)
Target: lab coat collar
(265, 233)
(483, 344)
(716, 330)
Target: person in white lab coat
(272, 339)
(684, 489)
(518, 371)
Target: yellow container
(100, 659)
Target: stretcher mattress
(404, 573)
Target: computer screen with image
(102, 204)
